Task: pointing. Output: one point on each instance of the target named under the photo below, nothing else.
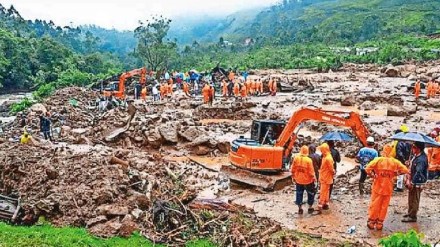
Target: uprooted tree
(153, 48)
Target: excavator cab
(112, 88)
(266, 131)
(258, 151)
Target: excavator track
(269, 182)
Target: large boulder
(191, 133)
(200, 140)
(401, 111)
(348, 101)
(38, 108)
(433, 102)
(169, 132)
(368, 105)
(410, 68)
(224, 147)
(112, 210)
(154, 137)
(128, 226)
(432, 71)
(392, 72)
(201, 150)
(412, 77)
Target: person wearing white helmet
(364, 156)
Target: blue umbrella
(336, 136)
(415, 137)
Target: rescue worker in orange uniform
(144, 93)
(430, 89)
(224, 88)
(434, 159)
(254, 87)
(163, 91)
(206, 91)
(260, 87)
(236, 89)
(326, 173)
(435, 89)
(303, 175)
(248, 84)
(383, 170)
(231, 76)
(170, 87)
(417, 89)
(243, 91)
(186, 88)
(274, 87)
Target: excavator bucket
(269, 182)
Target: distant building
(249, 41)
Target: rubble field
(115, 174)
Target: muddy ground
(146, 177)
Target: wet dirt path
(346, 211)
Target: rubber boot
(379, 225)
(371, 224)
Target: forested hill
(346, 20)
(38, 53)
(349, 21)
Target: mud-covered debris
(169, 132)
(348, 101)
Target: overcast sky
(123, 14)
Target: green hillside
(204, 29)
(349, 21)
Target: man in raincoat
(326, 173)
(434, 159)
(224, 88)
(417, 89)
(383, 170)
(206, 92)
(304, 176)
(186, 88)
(430, 89)
(415, 180)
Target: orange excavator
(270, 146)
(117, 89)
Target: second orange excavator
(117, 89)
(270, 147)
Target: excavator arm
(338, 118)
(249, 155)
(142, 72)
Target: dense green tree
(153, 48)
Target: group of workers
(415, 163)
(232, 85)
(432, 89)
